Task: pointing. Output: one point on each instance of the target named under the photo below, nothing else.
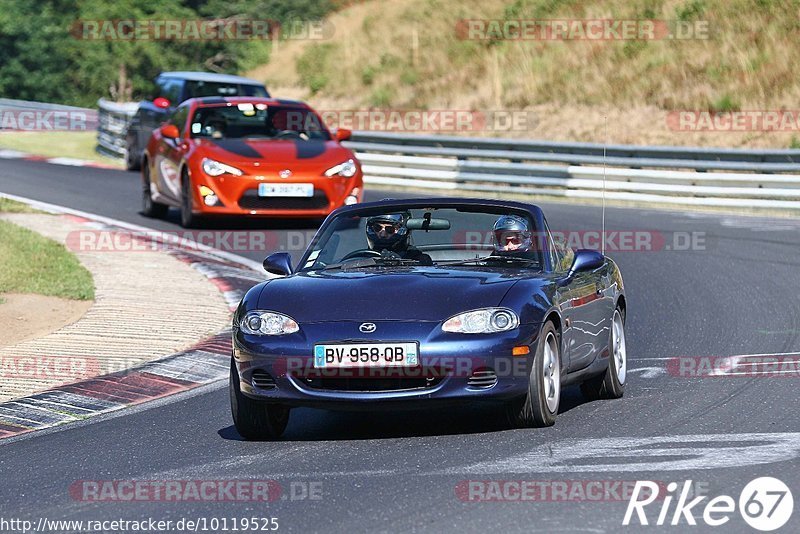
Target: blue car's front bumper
(280, 368)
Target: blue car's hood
(414, 294)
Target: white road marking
(734, 356)
(657, 453)
(649, 372)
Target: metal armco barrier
(675, 175)
(113, 120)
(25, 115)
(660, 174)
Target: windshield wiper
(360, 263)
(498, 259)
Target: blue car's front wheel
(540, 406)
(255, 419)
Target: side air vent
(263, 380)
(482, 378)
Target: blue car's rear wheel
(254, 419)
(540, 406)
(611, 384)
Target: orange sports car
(248, 156)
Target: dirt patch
(29, 316)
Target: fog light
(209, 197)
(352, 198)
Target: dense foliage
(42, 59)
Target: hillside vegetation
(408, 54)
(47, 54)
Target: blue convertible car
(411, 303)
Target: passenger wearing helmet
(389, 235)
(512, 237)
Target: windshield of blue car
(257, 121)
(428, 236)
(197, 88)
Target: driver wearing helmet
(389, 235)
(512, 236)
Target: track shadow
(244, 222)
(306, 424)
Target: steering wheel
(287, 133)
(363, 253)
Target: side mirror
(343, 134)
(279, 263)
(162, 102)
(170, 131)
(585, 260)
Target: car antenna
(605, 143)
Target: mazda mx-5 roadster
(410, 304)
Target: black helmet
(388, 232)
(511, 235)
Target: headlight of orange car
(347, 169)
(215, 168)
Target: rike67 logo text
(765, 504)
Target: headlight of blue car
(483, 321)
(267, 323)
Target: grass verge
(12, 206)
(80, 145)
(31, 263)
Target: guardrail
(673, 175)
(666, 174)
(26, 115)
(112, 125)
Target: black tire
(533, 410)
(133, 158)
(188, 219)
(150, 208)
(611, 384)
(255, 420)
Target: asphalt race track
(350, 472)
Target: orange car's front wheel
(189, 219)
(150, 208)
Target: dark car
(423, 302)
(172, 88)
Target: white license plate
(286, 190)
(366, 355)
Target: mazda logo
(367, 328)
(285, 173)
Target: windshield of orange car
(257, 121)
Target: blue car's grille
(263, 380)
(370, 384)
(482, 379)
